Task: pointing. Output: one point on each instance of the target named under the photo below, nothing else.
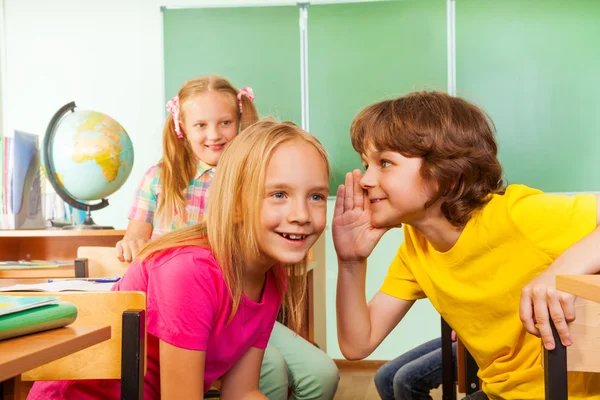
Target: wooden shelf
(52, 244)
(60, 233)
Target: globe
(87, 157)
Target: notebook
(38, 319)
(11, 304)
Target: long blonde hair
(179, 163)
(230, 228)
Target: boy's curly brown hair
(454, 138)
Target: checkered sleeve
(144, 203)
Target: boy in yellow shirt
(471, 244)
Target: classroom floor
(359, 385)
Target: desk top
(21, 354)
(585, 286)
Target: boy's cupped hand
(354, 236)
(540, 303)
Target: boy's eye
(226, 123)
(385, 163)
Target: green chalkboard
(251, 46)
(360, 53)
(535, 67)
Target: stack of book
(21, 179)
(22, 315)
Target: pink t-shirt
(188, 306)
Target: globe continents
(91, 155)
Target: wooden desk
(21, 354)
(584, 353)
(585, 286)
(52, 244)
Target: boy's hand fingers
(526, 312)
(562, 311)
(542, 319)
(339, 201)
(348, 194)
(359, 196)
(567, 303)
(558, 317)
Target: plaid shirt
(146, 198)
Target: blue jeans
(412, 375)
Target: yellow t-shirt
(476, 285)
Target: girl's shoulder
(193, 260)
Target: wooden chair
(583, 355)
(99, 262)
(122, 357)
(465, 365)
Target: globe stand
(88, 223)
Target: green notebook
(37, 319)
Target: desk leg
(11, 389)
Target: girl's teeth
(293, 237)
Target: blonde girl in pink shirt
(207, 113)
(214, 289)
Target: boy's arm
(181, 372)
(241, 381)
(361, 326)
(540, 300)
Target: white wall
(106, 55)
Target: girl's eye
(278, 195)
(226, 123)
(200, 125)
(317, 197)
(385, 163)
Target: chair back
(102, 262)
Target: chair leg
(555, 369)
(11, 389)
(448, 385)
(133, 355)
(471, 373)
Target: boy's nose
(368, 179)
